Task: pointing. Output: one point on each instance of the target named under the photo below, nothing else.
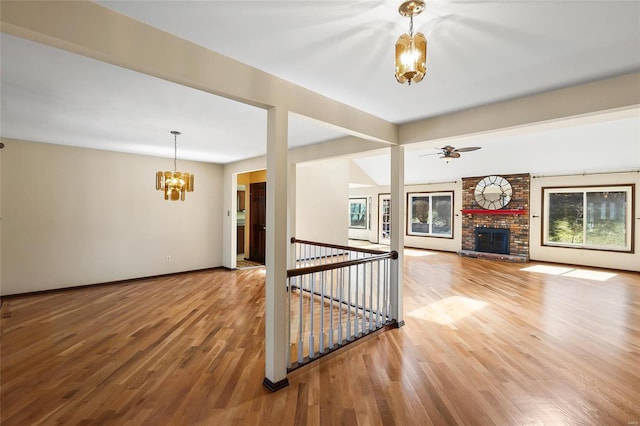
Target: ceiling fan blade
(426, 155)
(454, 154)
(467, 149)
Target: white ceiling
(606, 144)
(480, 52)
(49, 95)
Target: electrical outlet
(168, 259)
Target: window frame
(381, 198)
(362, 201)
(628, 188)
(410, 196)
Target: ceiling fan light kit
(448, 157)
(411, 49)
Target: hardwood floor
(484, 343)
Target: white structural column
(276, 250)
(397, 231)
(291, 221)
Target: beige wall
(322, 195)
(73, 216)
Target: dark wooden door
(258, 213)
(240, 239)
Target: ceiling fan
(448, 152)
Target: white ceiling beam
(619, 94)
(91, 30)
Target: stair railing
(336, 294)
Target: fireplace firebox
(492, 240)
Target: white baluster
(300, 323)
(341, 284)
(311, 303)
(348, 330)
(331, 309)
(322, 279)
(355, 315)
(378, 295)
(364, 298)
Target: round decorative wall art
(493, 192)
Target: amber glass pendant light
(174, 184)
(411, 50)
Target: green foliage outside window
(565, 218)
(591, 218)
(430, 214)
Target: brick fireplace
(504, 233)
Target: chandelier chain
(411, 25)
(175, 152)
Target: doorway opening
(251, 205)
(258, 230)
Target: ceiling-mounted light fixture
(174, 184)
(411, 50)
(447, 158)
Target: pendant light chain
(175, 152)
(411, 25)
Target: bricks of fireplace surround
(518, 225)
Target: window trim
(410, 195)
(629, 188)
(381, 197)
(360, 200)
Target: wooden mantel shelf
(502, 211)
